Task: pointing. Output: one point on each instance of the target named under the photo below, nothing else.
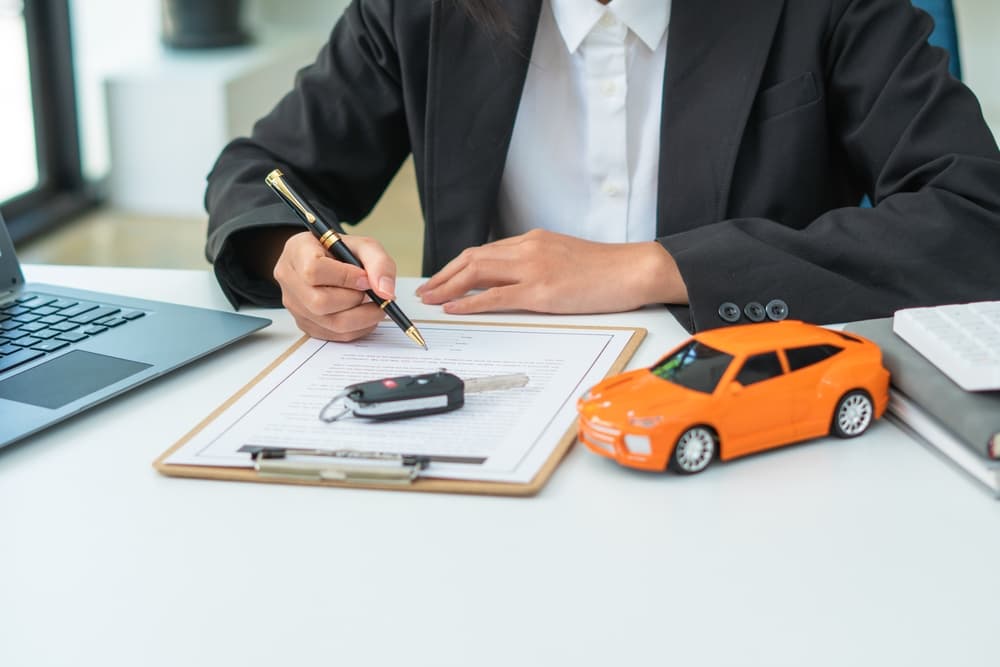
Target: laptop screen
(11, 278)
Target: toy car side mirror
(735, 388)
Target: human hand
(326, 296)
(547, 272)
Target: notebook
(962, 425)
(63, 350)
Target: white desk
(861, 552)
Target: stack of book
(963, 426)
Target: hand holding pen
(326, 295)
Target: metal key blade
(495, 383)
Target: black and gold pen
(329, 234)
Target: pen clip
(276, 181)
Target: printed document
(504, 436)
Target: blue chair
(945, 35)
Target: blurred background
(113, 111)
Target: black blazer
(778, 116)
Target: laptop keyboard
(36, 324)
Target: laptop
(64, 350)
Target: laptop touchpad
(67, 378)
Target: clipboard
(416, 482)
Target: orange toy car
(734, 391)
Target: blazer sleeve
(916, 137)
(341, 132)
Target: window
(800, 357)
(18, 164)
(758, 368)
(695, 366)
(846, 336)
(41, 182)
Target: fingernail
(387, 286)
(363, 283)
(420, 288)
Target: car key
(414, 395)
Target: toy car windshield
(695, 366)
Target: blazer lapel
(716, 54)
(474, 89)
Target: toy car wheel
(694, 450)
(853, 415)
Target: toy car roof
(750, 338)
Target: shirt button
(609, 88)
(610, 189)
(608, 20)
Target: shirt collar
(648, 19)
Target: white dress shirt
(584, 155)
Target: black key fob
(405, 396)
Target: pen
(329, 236)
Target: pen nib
(416, 337)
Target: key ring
(326, 412)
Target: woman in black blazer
(777, 118)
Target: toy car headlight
(645, 422)
(637, 444)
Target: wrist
(257, 250)
(658, 279)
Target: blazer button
(754, 312)
(729, 312)
(776, 309)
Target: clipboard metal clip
(393, 469)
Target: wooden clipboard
(421, 483)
